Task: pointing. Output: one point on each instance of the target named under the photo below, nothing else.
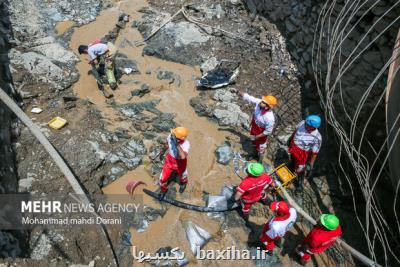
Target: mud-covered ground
(107, 143)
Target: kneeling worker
(176, 160)
(276, 228)
(253, 187)
(102, 60)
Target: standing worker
(304, 146)
(322, 236)
(276, 228)
(176, 160)
(253, 187)
(263, 121)
(102, 61)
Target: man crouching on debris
(102, 60)
(322, 236)
(304, 146)
(176, 160)
(253, 188)
(277, 226)
(263, 121)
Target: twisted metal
(369, 164)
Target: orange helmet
(180, 132)
(270, 100)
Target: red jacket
(252, 187)
(319, 239)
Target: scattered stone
(196, 236)
(224, 153)
(209, 64)
(224, 95)
(165, 75)
(130, 153)
(144, 89)
(164, 123)
(69, 105)
(230, 114)
(122, 133)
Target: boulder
(224, 153)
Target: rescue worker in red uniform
(176, 160)
(322, 236)
(262, 122)
(254, 187)
(304, 146)
(276, 228)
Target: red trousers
(173, 165)
(268, 242)
(260, 143)
(299, 158)
(246, 206)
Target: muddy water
(204, 173)
(63, 26)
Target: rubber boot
(299, 184)
(182, 188)
(260, 156)
(161, 195)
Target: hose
(187, 206)
(358, 255)
(9, 102)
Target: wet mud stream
(205, 174)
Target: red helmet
(280, 207)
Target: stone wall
(298, 21)
(10, 241)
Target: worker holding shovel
(102, 61)
(304, 146)
(176, 160)
(263, 121)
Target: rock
(135, 109)
(224, 95)
(209, 64)
(54, 51)
(196, 236)
(373, 57)
(164, 123)
(178, 42)
(165, 75)
(224, 153)
(144, 89)
(122, 133)
(290, 27)
(24, 185)
(130, 153)
(230, 114)
(200, 107)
